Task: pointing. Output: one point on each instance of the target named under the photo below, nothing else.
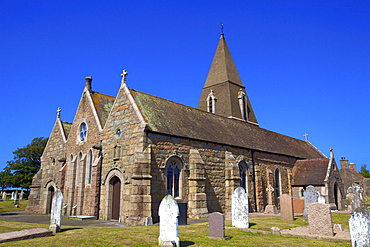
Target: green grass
(190, 235)
(7, 206)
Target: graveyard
(189, 235)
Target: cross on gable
(58, 112)
(123, 75)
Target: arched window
(174, 177)
(90, 167)
(211, 102)
(83, 132)
(277, 184)
(243, 171)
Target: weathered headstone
(355, 194)
(16, 200)
(168, 221)
(216, 222)
(286, 207)
(321, 199)
(56, 211)
(240, 211)
(366, 184)
(319, 219)
(4, 196)
(359, 227)
(148, 221)
(12, 198)
(270, 208)
(310, 196)
(21, 195)
(298, 206)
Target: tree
(5, 177)
(365, 172)
(26, 163)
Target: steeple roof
(224, 81)
(223, 67)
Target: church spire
(223, 78)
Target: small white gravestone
(321, 199)
(240, 211)
(56, 211)
(310, 196)
(359, 227)
(355, 194)
(4, 196)
(12, 198)
(21, 195)
(168, 221)
(16, 200)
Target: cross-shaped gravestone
(269, 191)
(355, 193)
(168, 222)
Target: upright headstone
(4, 196)
(359, 227)
(321, 199)
(286, 207)
(16, 199)
(270, 208)
(355, 194)
(56, 211)
(240, 211)
(148, 221)
(21, 195)
(168, 221)
(216, 222)
(366, 184)
(310, 196)
(12, 198)
(319, 219)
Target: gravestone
(355, 194)
(21, 195)
(168, 220)
(12, 198)
(270, 208)
(298, 206)
(148, 221)
(240, 213)
(56, 211)
(310, 196)
(359, 227)
(16, 200)
(4, 196)
(216, 222)
(286, 207)
(321, 199)
(366, 184)
(319, 219)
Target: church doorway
(50, 198)
(116, 197)
(336, 194)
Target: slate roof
(171, 118)
(66, 128)
(310, 172)
(103, 105)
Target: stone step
(24, 234)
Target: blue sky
(305, 64)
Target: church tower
(223, 92)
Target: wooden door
(116, 198)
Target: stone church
(121, 155)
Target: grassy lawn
(190, 235)
(7, 206)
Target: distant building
(123, 154)
(324, 175)
(349, 174)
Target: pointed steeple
(223, 78)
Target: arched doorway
(116, 197)
(50, 198)
(336, 196)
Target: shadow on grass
(252, 224)
(69, 229)
(186, 243)
(7, 214)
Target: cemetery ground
(190, 235)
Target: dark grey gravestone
(359, 226)
(183, 218)
(216, 222)
(310, 196)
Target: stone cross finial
(58, 111)
(305, 137)
(269, 191)
(123, 75)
